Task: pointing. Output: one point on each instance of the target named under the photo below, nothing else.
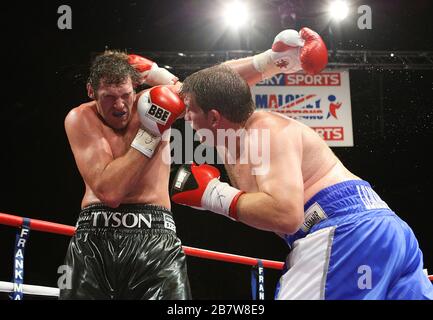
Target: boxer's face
(194, 114)
(114, 103)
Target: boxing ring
(61, 229)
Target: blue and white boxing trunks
(352, 246)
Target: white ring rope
(31, 289)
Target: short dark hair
(112, 67)
(222, 89)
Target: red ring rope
(51, 227)
(44, 226)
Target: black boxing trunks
(129, 252)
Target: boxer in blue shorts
(345, 241)
(354, 247)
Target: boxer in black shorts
(131, 252)
(120, 250)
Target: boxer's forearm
(261, 211)
(119, 177)
(246, 70)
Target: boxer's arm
(291, 51)
(278, 207)
(245, 68)
(110, 179)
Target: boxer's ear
(90, 91)
(214, 118)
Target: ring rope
(31, 289)
(51, 227)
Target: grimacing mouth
(119, 114)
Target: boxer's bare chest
(120, 141)
(241, 171)
(241, 176)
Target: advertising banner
(320, 101)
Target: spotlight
(235, 14)
(338, 10)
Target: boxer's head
(216, 96)
(111, 84)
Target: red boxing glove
(151, 74)
(198, 186)
(314, 55)
(157, 108)
(293, 51)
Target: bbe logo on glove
(157, 109)
(158, 114)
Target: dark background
(44, 71)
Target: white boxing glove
(293, 51)
(157, 108)
(151, 74)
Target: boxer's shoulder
(260, 120)
(84, 110)
(85, 114)
(270, 120)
